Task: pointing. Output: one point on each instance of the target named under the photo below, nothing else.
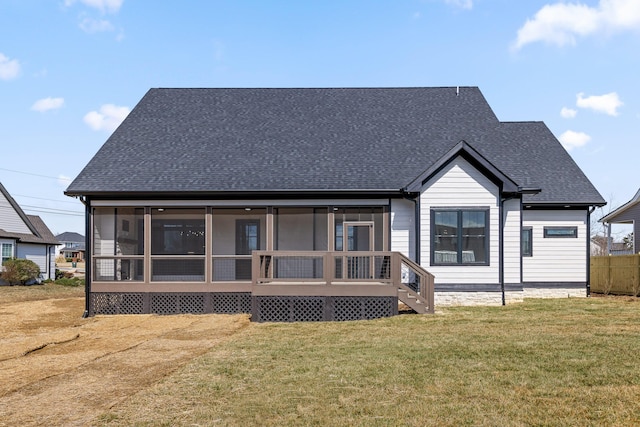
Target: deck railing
(342, 268)
(316, 267)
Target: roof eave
(236, 193)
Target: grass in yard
(50, 290)
(542, 362)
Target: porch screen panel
(300, 229)
(235, 233)
(374, 214)
(177, 244)
(118, 244)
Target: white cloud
(561, 23)
(463, 4)
(108, 118)
(104, 6)
(571, 139)
(9, 68)
(568, 113)
(64, 181)
(89, 25)
(47, 104)
(608, 103)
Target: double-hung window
(460, 236)
(6, 252)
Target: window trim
(573, 235)
(529, 253)
(459, 211)
(13, 251)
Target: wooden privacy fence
(619, 275)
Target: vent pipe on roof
(457, 90)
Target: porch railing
(388, 269)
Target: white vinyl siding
(403, 228)
(460, 185)
(9, 218)
(556, 259)
(512, 233)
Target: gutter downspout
(591, 210)
(501, 250)
(87, 257)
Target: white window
(7, 252)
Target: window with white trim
(7, 252)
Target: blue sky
(70, 71)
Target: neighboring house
(25, 236)
(628, 214)
(72, 245)
(602, 246)
(230, 200)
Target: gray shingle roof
(234, 140)
(70, 236)
(40, 231)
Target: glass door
(358, 237)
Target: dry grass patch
(543, 362)
(11, 294)
(59, 369)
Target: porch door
(247, 240)
(358, 237)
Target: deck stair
(412, 299)
(416, 289)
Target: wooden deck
(338, 274)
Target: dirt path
(59, 369)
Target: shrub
(20, 271)
(60, 259)
(71, 282)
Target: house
(72, 245)
(628, 214)
(311, 204)
(25, 236)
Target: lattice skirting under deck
(169, 303)
(321, 308)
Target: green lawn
(542, 362)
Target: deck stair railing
(414, 285)
(416, 288)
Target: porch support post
(270, 233)
(386, 222)
(329, 267)
(88, 257)
(147, 245)
(396, 269)
(208, 245)
(609, 238)
(331, 228)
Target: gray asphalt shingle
(234, 140)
